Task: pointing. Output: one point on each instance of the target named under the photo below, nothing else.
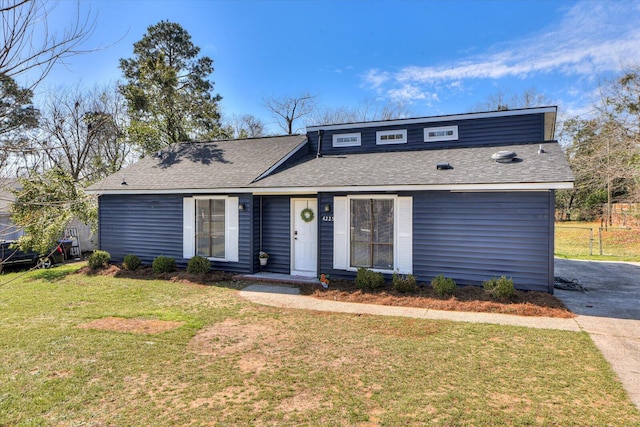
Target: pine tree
(169, 96)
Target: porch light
(240, 206)
(327, 207)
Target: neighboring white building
(87, 239)
(8, 231)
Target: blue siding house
(470, 196)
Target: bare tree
(500, 100)
(246, 126)
(28, 42)
(82, 133)
(368, 110)
(287, 110)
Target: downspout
(320, 133)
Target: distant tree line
(603, 149)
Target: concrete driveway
(609, 311)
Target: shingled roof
(203, 165)
(471, 165)
(259, 164)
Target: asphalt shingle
(203, 165)
(470, 165)
(238, 164)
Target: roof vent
(504, 156)
(443, 166)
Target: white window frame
(402, 229)
(356, 143)
(230, 232)
(382, 133)
(453, 137)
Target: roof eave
(515, 186)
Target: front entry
(304, 237)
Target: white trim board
(267, 191)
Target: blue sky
(443, 57)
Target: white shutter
(340, 233)
(188, 227)
(404, 250)
(231, 249)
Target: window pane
(218, 228)
(210, 228)
(372, 234)
(360, 233)
(202, 246)
(383, 256)
(203, 225)
(203, 214)
(382, 221)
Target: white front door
(304, 239)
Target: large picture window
(372, 236)
(374, 231)
(210, 228)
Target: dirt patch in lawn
(135, 326)
(466, 298)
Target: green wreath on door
(307, 215)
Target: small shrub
(163, 264)
(499, 287)
(443, 285)
(131, 262)
(403, 283)
(198, 265)
(99, 259)
(369, 280)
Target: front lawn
(83, 350)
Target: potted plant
(263, 257)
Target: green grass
(618, 244)
(234, 363)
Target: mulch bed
(466, 298)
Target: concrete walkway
(621, 352)
(289, 297)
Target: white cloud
(375, 78)
(592, 38)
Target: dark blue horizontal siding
(471, 237)
(143, 225)
(151, 225)
(472, 132)
(245, 239)
(325, 241)
(276, 232)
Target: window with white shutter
(374, 232)
(210, 227)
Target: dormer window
(346, 140)
(398, 136)
(444, 133)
